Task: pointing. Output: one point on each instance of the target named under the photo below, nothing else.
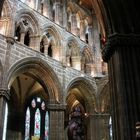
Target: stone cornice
(119, 40)
(5, 93)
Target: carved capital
(5, 93)
(119, 40)
(10, 40)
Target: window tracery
(37, 120)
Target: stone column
(97, 126)
(39, 6)
(10, 42)
(76, 62)
(45, 49)
(1, 6)
(65, 18)
(91, 122)
(82, 30)
(4, 96)
(35, 42)
(58, 13)
(122, 54)
(90, 36)
(57, 122)
(74, 24)
(47, 8)
(97, 48)
(22, 36)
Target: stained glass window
(27, 124)
(37, 123)
(37, 120)
(43, 105)
(110, 128)
(47, 126)
(33, 103)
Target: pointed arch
(54, 40)
(81, 93)
(6, 9)
(6, 18)
(40, 70)
(52, 30)
(31, 19)
(85, 92)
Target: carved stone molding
(10, 40)
(5, 93)
(119, 40)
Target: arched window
(50, 50)
(27, 38)
(70, 61)
(42, 46)
(27, 124)
(53, 15)
(36, 120)
(37, 123)
(86, 37)
(42, 7)
(17, 33)
(110, 128)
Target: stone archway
(28, 79)
(81, 94)
(54, 40)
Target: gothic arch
(48, 28)
(85, 90)
(41, 71)
(7, 10)
(81, 93)
(31, 19)
(88, 54)
(54, 39)
(74, 45)
(6, 18)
